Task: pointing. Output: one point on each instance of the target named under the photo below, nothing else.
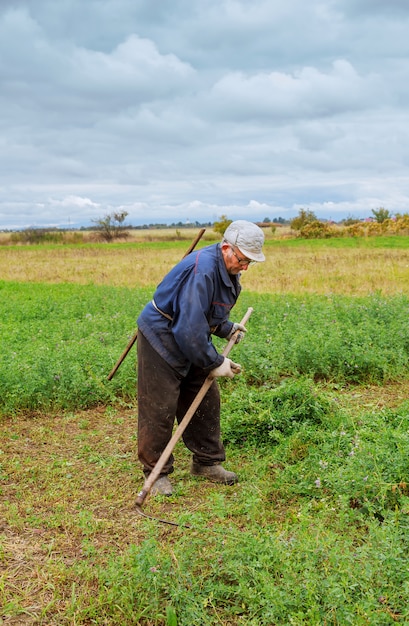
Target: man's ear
(225, 249)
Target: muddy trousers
(163, 395)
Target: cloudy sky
(176, 110)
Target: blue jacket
(197, 294)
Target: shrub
(221, 225)
(112, 226)
(381, 214)
(304, 217)
(317, 230)
(350, 221)
(355, 230)
(37, 236)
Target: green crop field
(317, 427)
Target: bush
(381, 215)
(221, 225)
(37, 236)
(112, 226)
(317, 230)
(355, 230)
(304, 217)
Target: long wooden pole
(133, 339)
(155, 473)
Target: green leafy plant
(304, 217)
(272, 414)
(221, 224)
(381, 214)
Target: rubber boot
(162, 487)
(215, 473)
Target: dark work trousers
(163, 395)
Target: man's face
(234, 260)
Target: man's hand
(227, 368)
(239, 335)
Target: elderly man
(176, 353)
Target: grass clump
(271, 414)
(356, 463)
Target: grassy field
(316, 531)
(353, 266)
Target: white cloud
(307, 93)
(177, 110)
(74, 201)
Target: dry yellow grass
(288, 269)
(351, 271)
